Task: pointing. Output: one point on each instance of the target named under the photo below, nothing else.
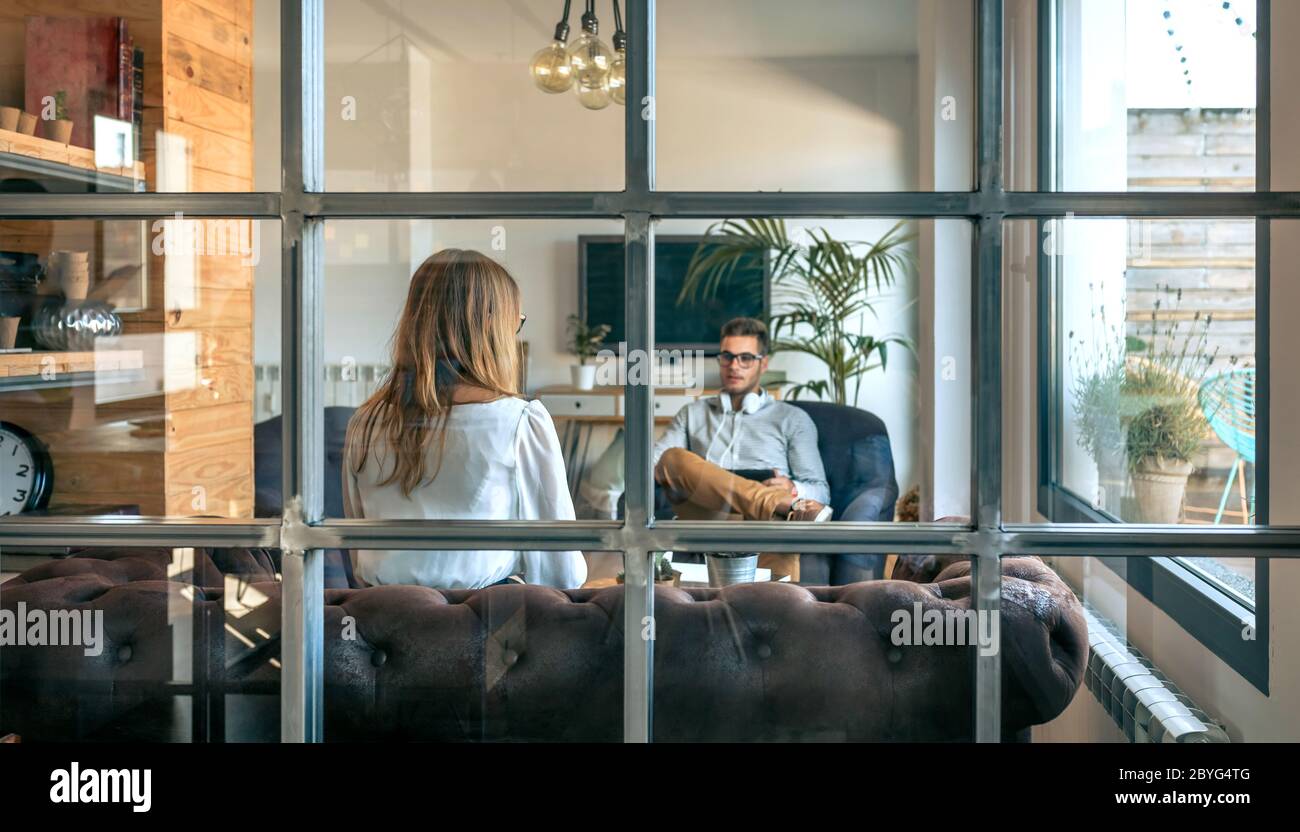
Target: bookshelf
(196, 325)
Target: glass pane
(174, 645)
(159, 96)
(1154, 95)
(127, 376)
(441, 96)
(1150, 366)
(1148, 678)
(1158, 379)
(414, 302)
(765, 659)
(811, 360)
(814, 96)
(501, 663)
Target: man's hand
(782, 481)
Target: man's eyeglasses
(745, 359)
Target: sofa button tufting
(124, 653)
(510, 658)
(764, 651)
(378, 658)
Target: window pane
(1151, 371)
(814, 96)
(766, 660)
(510, 663)
(101, 98)
(1158, 356)
(827, 358)
(1154, 95)
(129, 385)
(439, 96)
(413, 302)
(1148, 678)
(175, 645)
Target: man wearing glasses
(742, 454)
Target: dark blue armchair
(860, 469)
(859, 465)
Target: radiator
(1144, 703)
(346, 385)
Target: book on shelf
(84, 58)
(137, 98)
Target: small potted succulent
(60, 129)
(663, 572)
(584, 342)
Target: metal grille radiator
(1144, 703)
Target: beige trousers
(700, 490)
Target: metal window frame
(1213, 617)
(302, 533)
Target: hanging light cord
(562, 28)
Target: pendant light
(591, 60)
(596, 73)
(551, 67)
(618, 69)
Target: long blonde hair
(458, 327)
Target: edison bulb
(552, 69)
(594, 97)
(590, 60)
(618, 78)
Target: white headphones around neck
(750, 404)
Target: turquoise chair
(1228, 402)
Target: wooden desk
(582, 411)
(604, 405)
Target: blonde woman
(448, 437)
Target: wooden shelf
(31, 370)
(65, 163)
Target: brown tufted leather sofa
(514, 662)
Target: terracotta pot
(1159, 485)
(59, 130)
(9, 118)
(8, 332)
(27, 124)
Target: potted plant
(822, 293)
(584, 342)
(662, 572)
(60, 129)
(727, 568)
(1163, 421)
(1099, 369)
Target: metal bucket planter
(1159, 485)
(725, 570)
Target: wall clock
(26, 472)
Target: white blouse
(501, 461)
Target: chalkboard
(692, 325)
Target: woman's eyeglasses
(522, 320)
(745, 359)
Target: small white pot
(584, 376)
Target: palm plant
(822, 293)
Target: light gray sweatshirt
(777, 435)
